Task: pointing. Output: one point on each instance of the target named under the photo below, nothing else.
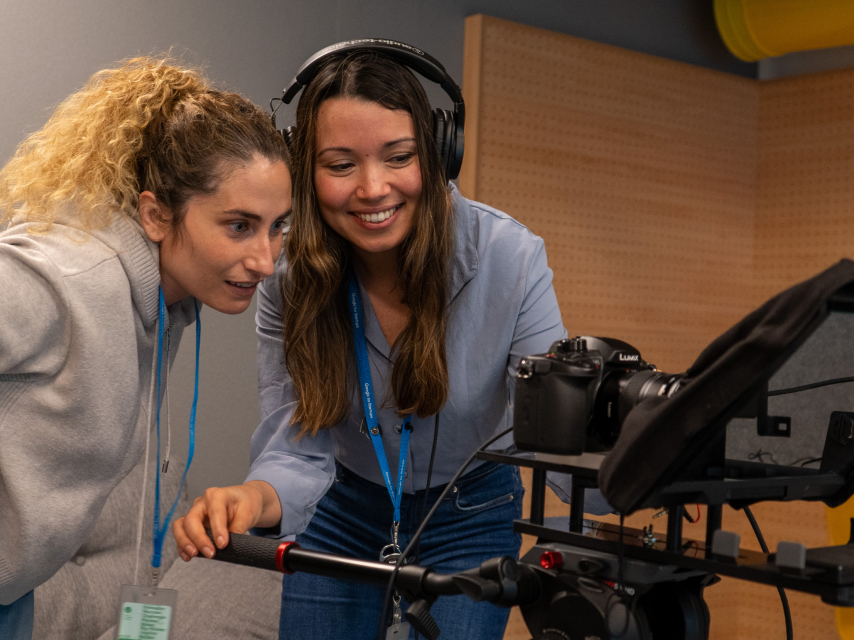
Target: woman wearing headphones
(145, 195)
(438, 298)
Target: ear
(156, 219)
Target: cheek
(331, 194)
(276, 246)
(411, 186)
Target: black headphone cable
(423, 525)
(427, 488)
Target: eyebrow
(348, 150)
(252, 216)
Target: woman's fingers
(222, 510)
(221, 503)
(186, 550)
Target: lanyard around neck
(160, 532)
(367, 393)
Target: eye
(240, 226)
(277, 227)
(340, 167)
(402, 158)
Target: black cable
(787, 614)
(621, 593)
(274, 110)
(423, 525)
(427, 489)
(802, 462)
(807, 387)
(758, 456)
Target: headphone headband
(412, 57)
(447, 126)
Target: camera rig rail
(501, 581)
(827, 572)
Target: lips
(243, 288)
(377, 218)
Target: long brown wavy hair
(318, 337)
(149, 125)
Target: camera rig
(588, 580)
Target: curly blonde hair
(149, 125)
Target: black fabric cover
(660, 431)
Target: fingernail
(220, 542)
(190, 550)
(208, 552)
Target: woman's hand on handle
(223, 509)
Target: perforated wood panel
(805, 199)
(638, 172)
(672, 200)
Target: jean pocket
(458, 503)
(485, 494)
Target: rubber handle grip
(250, 551)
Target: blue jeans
(16, 619)
(473, 524)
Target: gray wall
(50, 48)
(803, 62)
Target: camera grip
(253, 551)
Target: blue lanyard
(367, 392)
(160, 532)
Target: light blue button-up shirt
(503, 307)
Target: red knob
(551, 560)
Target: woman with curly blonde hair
(146, 194)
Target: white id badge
(146, 613)
(398, 631)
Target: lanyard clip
(391, 552)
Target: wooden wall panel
(637, 171)
(805, 196)
(672, 200)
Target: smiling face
(228, 240)
(367, 176)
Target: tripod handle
(252, 551)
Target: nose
(262, 255)
(373, 182)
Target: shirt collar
(465, 261)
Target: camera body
(575, 397)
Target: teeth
(245, 285)
(382, 216)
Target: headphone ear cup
(289, 134)
(442, 132)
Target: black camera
(575, 397)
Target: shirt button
(398, 429)
(79, 560)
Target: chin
(230, 307)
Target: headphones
(447, 125)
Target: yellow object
(756, 29)
(839, 528)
